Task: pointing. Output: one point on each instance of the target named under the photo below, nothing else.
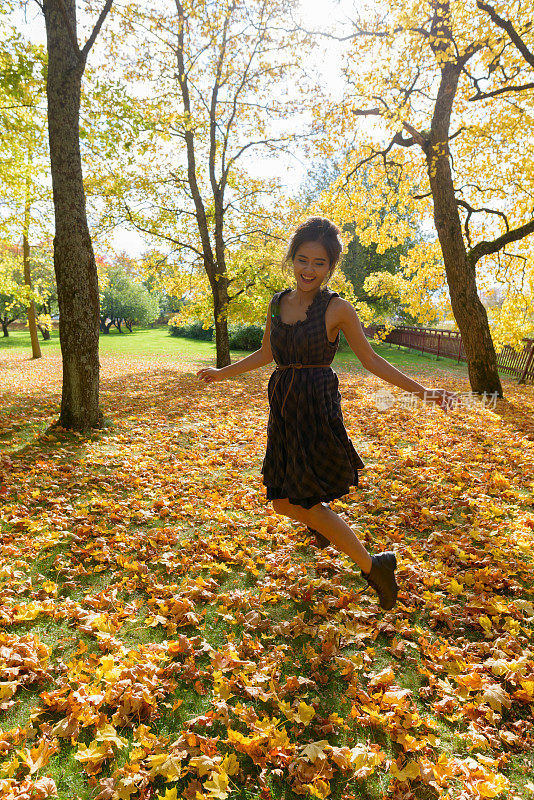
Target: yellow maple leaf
(492, 786)
(313, 750)
(217, 785)
(38, 756)
(10, 768)
(94, 753)
(411, 771)
(155, 762)
(8, 689)
(107, 733)
(230, 764)
(496, 697)
(455, 587)
(305, 713)
(126, 787)
(27, 612)
(485, 623)
(319, 788)
(170, 794)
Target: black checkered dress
(310, 458)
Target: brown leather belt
(282, 367)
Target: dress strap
(328, 295)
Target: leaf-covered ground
(165, 635)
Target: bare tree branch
(416, 136)
(177, 242)
(503, 90)
(457, 133)
(96, 30)
(366, 112)
(507, 26)
(472, 210)
(487, 248)
(245, 289)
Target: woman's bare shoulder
(340, 309)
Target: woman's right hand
(209, 374)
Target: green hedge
(241, 337)
(193, 330)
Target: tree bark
(32, 322)
(5, 328)
(45, 333)
(74, 262)
(219, 290)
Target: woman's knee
(287, 509)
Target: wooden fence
(448, 344)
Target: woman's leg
(321, 518)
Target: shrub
(191, 330)
(245, 337)
(241, 337)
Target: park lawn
(143, 342)
(164, 633)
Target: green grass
(156, 342)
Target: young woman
(310, 459)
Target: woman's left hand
(444, 399)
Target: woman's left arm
(345, 317)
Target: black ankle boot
(382, 578)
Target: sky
(325, 60)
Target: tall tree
(218, 73)
(430, 65)
(74, 261)
(24, 194)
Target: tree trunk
(468, 310)
(219, 290)
(32, 323)
(219, 285)
(74, 262)
(45, 333)
(4, 328)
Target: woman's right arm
(257, 359)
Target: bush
(192, 330)
(241, 337)
(245, 337)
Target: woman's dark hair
(317, 229)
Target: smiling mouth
(308, 280)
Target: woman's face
(311, 265)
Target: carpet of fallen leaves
(165, 635)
